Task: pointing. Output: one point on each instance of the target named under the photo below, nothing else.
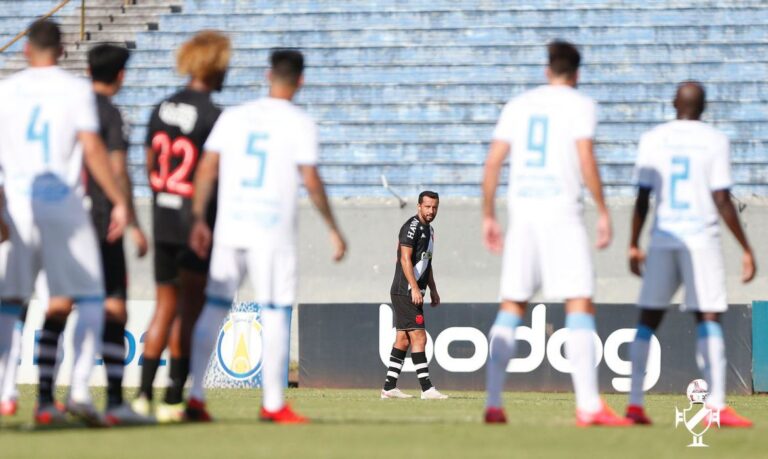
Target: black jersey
(421, 237)
(113, 133)
(177, 132)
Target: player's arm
(406, 252)
(319, 198)
(97, 162)
(591, 176)
(727, 211)
(636, 255)
(433, 288)
(201, 236)
(118, 160)
(497, 153)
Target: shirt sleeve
(217, 138)
(306, 146)
(407, 235)
(585, 124)
(85, 115)
(643, 173)
(505, 126)
(720, 172)
(114, 132)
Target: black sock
(47, 349)
(420, 362)
(179, 371)
(396, 360)
(113, 354)
(148, 371)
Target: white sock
(710, 356)
(638, 355)
(87, 344)
(501, 349)
(9, 314)
(203, 342)
(9, 390)
(275, 334)
(580, 349)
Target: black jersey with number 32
(421, 237)
(176, 134)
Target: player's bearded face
(428, 209)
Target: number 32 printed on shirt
(178, 180)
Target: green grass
(356, 424)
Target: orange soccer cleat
(604, 417)
(494, 415)
(9, 407)
(636, 414)
(730, 418)
(284, 415)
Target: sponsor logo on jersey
(182, 115)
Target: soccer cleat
(141, 405)
(87, 413)
(432, 394)
(730, 418)
(394, 393)
(168, 414)
(284, 415)
(49, 414)
(124, 415)
(196, 412)
(636, 414)
(603, 417)
(9, 407)
(494, 415)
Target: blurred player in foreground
(46, 111)
(177, 131)
(685, 164)
(258, 151)
(549, 132)
(413, 274)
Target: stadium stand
(411, 88)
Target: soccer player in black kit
(413, 274)
(177, 131)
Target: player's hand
(636, 261)
(748, 267)
(492, 237)
(435, 297)
(5, 232)
(416, 297)
(200, 238)
(339, 245)
(604, 230)
(140, 241)
(117, 222)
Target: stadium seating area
(412, 89)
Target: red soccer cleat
(9, 407)
(196, 411)
(49, 414)
(495, 415)
(730, 418)
(636, 414)
(283, 416)
(604, 417)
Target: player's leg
(396, 361)
(10, 394)
(224, 278)
(418, 337)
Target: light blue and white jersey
(261, 144)
(683, 162)
(542, 126)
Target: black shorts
(113, 266)
(169, 258)
(408, 316)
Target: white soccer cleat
(142, 406)
(86, 412)
(394, 393)
(124, 415)
(433, 394)
(169, 414)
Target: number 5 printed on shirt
(38, 132)
(257, 151)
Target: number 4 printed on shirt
(39, 134)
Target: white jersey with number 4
(42, 111)
(683, 162)
(542, 126)
(261, 144)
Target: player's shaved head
(44, 35)
(690, 100)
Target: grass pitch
(357, 424)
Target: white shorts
(272, 271)
(552, 256)
(700, 269)
(59, 240)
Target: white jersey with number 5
(683, 162)
(42, 111)
(261, 144)
(542, 126)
